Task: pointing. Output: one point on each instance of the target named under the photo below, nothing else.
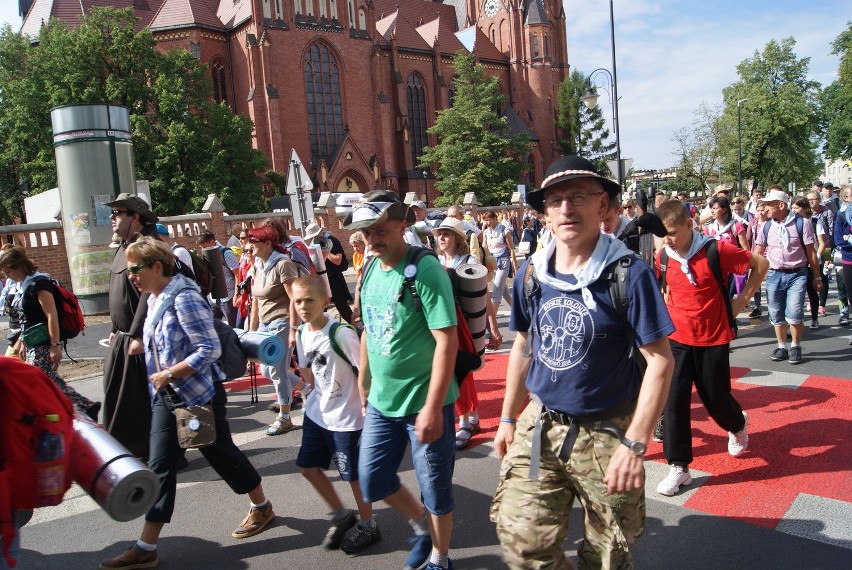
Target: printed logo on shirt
(567, 330)
(379, 316)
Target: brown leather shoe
(255, 521)
(133, 557)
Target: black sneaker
(814, 324)
(843, 321)
(795, 354)
(337, 531)
(779, 354)
(755, 314)
(658, 430)
(361, 538)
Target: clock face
(490, 8)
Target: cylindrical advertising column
(94, 163)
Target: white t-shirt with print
(334, 403)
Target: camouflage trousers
(532, 515)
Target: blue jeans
(383, 443)
(280, 374)
(498, 285)
(785, 296)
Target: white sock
(464, 423)
(420, 526)
(474, 417)
(441, 560)
(145, 546)
(259, 505)
(284, 416)
(782, 345)
(367, 523)
(794, 344)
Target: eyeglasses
(556, 201)
(135, 269)
(243, 238)
(253, 240)
(117, 213)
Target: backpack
(828, 223)
(711, 250)
(335, 346)
(180, 266)
(800, 228)
(202, 274)
(71, 321)
(300, 255)
(36, 439)
(617, 275)
(467, 360)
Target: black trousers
(708, 367)
(223, 455)
(127, 403)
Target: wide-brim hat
(569, 168)
(376, 207)
(418, 204)
(135, 204)
(453, 225)
(775, 196)
(312, 230)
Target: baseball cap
(776, 196)
(376, 207)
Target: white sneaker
(738, 442)
(678, 476)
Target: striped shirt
(184, 332)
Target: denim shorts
(785, 296)
(321, 446)
(383, 444)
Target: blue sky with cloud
(673, 54)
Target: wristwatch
(637, 447)
(171, 376)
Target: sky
(672, 55)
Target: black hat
(376, 207)
(569, 168)
(818, 183)
(136, 205)
(828, 185)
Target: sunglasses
(117, 213)
(243, 237)
(135, 269)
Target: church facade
(353, 85)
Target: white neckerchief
(718, 230)
(782, 228)
(698, 241)
(607, 249)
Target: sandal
(464, 434)
(279, 426)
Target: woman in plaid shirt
(180, 327)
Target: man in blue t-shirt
(584, 431)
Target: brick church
(353, 85)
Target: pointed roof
(473, 38)
(517, 125)
(69, 11)
(185, 13)
(406, 35)
(534, 13)
(232, 14)
(433, 31)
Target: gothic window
(309, 7)
(267, 13)
(333, 5)
(535, 45)
(546, 46)
(362, 19)
(278, 13)
(322, 9)
(220, 84)
(351, 14)
(416, 99)
(297, 4)
(451, 92)
(493, 36)
(325, 107)
(531, 171)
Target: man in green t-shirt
(406, 379)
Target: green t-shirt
(400, 345)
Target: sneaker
(843, 321)
(420, 552)
(677, 477)
(93, 411)
(361, 538)
(821, 311)
(433, 566)
(279, 426)
(779, 354)
(337, 531)
(814, 324)
(133, 557)
(755, 314)
(658, 431)
(256, 520)
(795, 354)
(738, 442)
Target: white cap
(776, 196)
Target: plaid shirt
(184, 332)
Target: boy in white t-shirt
(333, 416)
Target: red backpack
(71, 321)
(36, 437)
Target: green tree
(780, 120)
(476, 152)
(837, 100)
(697, 149)
(584, 130)
(185, 144)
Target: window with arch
(546, 46)
(220, 84)
(493, 35)
(297, 7)
(531, 171)
(278, 13)
(309, 7)
(324, 101)
(351, 13)
(535, 51)
(333, 6)
(416, 99)
(362, 19)
(451, 92)
(322, 9)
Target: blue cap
(162, 230)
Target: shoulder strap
(332, 336)
(766, 231)
(664, 265)
(617, 274)
(531, 290)
(711, 249)
(800, 229)
(413, 257)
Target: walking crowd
(620, 308)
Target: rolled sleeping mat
(319, 264)
(122, 485)
(266, 348)
(423, 229)
(473, 291)
(217, 269)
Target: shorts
(321, 446)
(785, 296)
(383, 443)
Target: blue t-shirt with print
(581, 361)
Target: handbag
(36, 335)
(196, 425)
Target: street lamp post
(739, 149)
(426, 187)
(591, 98)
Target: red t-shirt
(698, 311)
